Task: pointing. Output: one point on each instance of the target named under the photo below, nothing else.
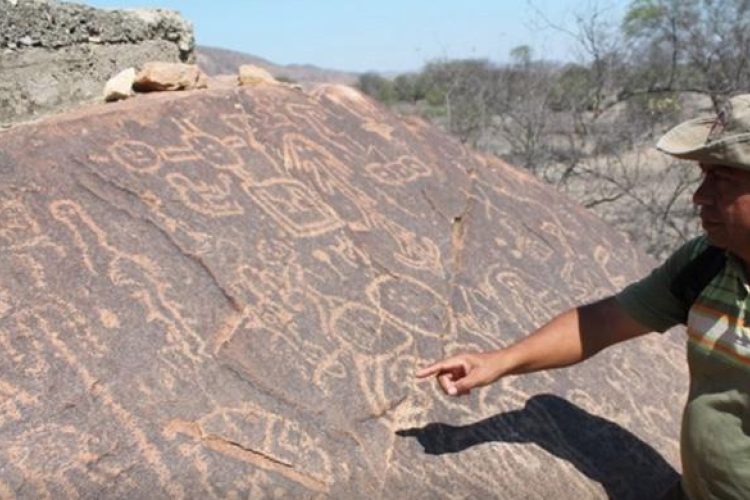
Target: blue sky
(383, 35)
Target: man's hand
(568, 339)
(458, 375)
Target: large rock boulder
(120, 86)
(253, 75)
(57, 55)
(161, 76)
(226, 294)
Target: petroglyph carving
(12, 402)
(5, 303)
(253, 284)
(56, 330)
(385, 132)
(264, 440)
(267, 111)
(22, 348)
(560, 243)
(68, 213)
(363, 329)
(199, 145)
(227, 296)
(480, 316)
(524, 242)
(272, 315)
(527, 293)
(403, 170)
(18, 227)
(209, 199)
(342, 257)
(331, 176)
(361, 343)
(33, 267)
(301, 153)
(351, 101)
(136, 156)
(294, 207)
(580, 286)
(411, 304)
(276, 253)
(74, 452)
(265, 165)
(329, 127)
(602, 257)
(109, 319)
(135, 272)
(417, 252)
(347, 251)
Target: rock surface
(253, 75)
(161, 76)
(225, 294)
(56, 55)
(120, 86)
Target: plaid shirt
(715, 440)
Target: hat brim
(686, 138)
(688, 141)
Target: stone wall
(56, 55)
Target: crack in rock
(245, 454)
(231, 300)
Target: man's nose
(704, 195)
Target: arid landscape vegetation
(589, 128)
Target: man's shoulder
(687, 252)
(652, 300)
(704, 264)
(697, 245)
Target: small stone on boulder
(254, 75)
(159, 76)
(120, 86)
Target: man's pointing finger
(433, 369)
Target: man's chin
(717, 240)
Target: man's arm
(569, 338)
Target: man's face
(724, 201)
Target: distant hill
(216, 61)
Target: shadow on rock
(624, 465)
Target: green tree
(405, 88)
(521, 55)
(689, 45)
(466, 88)
(573, 89)
(377, 87)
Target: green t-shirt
(715, 437)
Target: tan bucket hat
(723, 139)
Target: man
(715, 436)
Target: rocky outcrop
(226, 293)
(120, 86)
(56, 55)
(250, 75)
(161, 76)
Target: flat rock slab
(226, 293)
